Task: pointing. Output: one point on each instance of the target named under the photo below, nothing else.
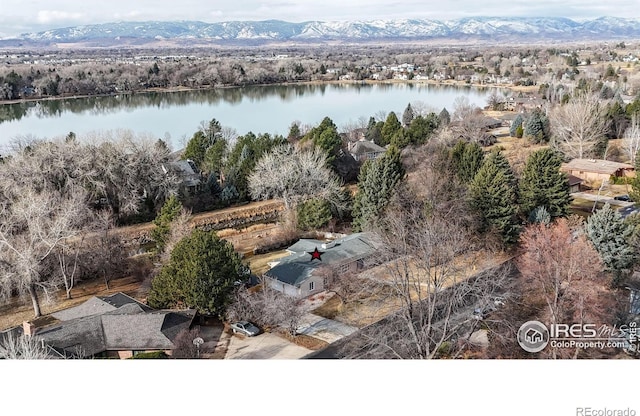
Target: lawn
(584, 207)
(258, 263)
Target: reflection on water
(175, 116)
(110, 104)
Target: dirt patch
(305, 341)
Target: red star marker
(315, 254)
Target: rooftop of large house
(300, 264)
(596, 165)
(111, 323)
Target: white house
(296, 275)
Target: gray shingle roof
(363, 147)
(125, 324)
(299, 266)
(98, 305)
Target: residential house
(187, 172)
(298, 274)
(115, 326)
(363, 150)
(597, 171)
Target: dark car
(245, 328)
(624, 198)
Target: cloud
(54, 16)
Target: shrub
(154, 355)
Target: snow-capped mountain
(496, 28)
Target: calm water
(266, 109)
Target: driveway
(264, 346)
(601, 198)
(324, 329)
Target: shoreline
(451, 83)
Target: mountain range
(482, 28)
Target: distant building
(364, 150)
(187, 172)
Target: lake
(175, 116)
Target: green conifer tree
(611, 237)
(494, 198)
(376, 182)
(543, 185)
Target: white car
(245, 328)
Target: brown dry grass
(259, 262)
(379, 300)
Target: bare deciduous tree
(436, 294)
(562, 268)
(22, 347)
(184, 346)
(578, 126)
(266, 307)
(32, 227)
(294, 176)
(178, 229)
(631, 139)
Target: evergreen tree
(196, 148)
(540, 215)
(213, 186)
(422, 128)
(536, 128)
(517, 122)
(200, 274)
(635, 182)
(493, 196)
(467, 159)
(390, 129)
(374, 131)
(407, 116)
(444, 118)
(543, 184)
(214, 156)
(376, 182)
(169, 211)
(229, 194)
(611, 237)
(294, 132)
(313, 214)
(326, 137)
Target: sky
(22, 16)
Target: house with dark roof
(187, 172)
(115, 326)
(298, 274)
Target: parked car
(625, 198)
(245, 328)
